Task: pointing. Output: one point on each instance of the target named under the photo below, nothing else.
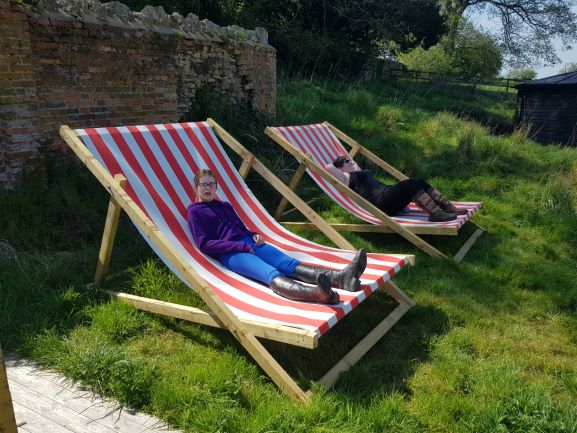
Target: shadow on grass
(388, 364)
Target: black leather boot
(436, 214)
(347, 278)
(444, 203)
(322, 293)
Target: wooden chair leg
(468, 244)
(351, 358)
(108, 235)
(7, 419)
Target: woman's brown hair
(203, 172)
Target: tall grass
(490, 347)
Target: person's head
(205, 185)
(344, 163)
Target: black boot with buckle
(346, 279)
(322, 293)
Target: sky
(542, 71)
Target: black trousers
(395, 197)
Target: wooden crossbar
(373, 228)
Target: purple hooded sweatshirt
(216, 228)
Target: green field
(490, 347)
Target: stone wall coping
(150, 18)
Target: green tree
(522, 74)
(569, 67)
(470, 53)
(527, 27)
(435, 59)
(476, 54)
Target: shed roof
(566, 79)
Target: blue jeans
(264, 265)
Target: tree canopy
(527, 28)
(522, 74)
(317, 35)
(469, 53)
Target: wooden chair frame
(389, 225)
(220, 315)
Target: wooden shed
(547, 108)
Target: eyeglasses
(207, 185)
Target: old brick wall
(18, 93)
(57, 68)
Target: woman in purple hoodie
(219, 232)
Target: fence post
(7, 420)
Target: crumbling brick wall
(106, 65)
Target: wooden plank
(283, 334)
(57, 390)
(467, 245)
(284, 190)
(246, 166)
(7, 419)
(367, 153)
(37, 423)
(308, 202)
(351, 358)
(45, 407)
(109, 234)
(293, 186)
(375, 228)
(279, 376)
(361, 201)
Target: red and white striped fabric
(324, 147)
(159, 162)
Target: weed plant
(490, 347)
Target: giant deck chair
(148, 171)
(316, 145)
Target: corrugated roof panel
(567, 79)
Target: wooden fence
(389, 69)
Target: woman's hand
(258, 240)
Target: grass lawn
(490, 347)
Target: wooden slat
(375, 228)
(361, 201)
(246, 166)
(300, 171)
(351, 358)
(283, 334)
(7, 419)
(214, 303)
(284, 190)
(109, 234)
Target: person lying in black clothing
(392, 199)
